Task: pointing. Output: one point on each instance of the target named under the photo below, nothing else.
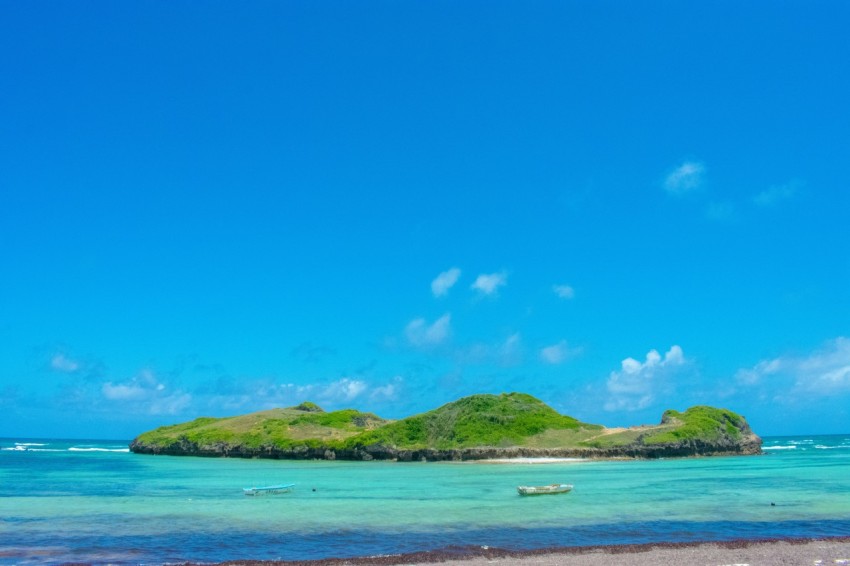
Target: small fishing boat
(544, 489)
(269, 489)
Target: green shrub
(478, 420)
(344, 419)
(700, 422)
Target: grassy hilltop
(512, 419)
(305, 425)
(475, 427)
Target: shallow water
(96, 502)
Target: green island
(478, 427)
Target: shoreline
(527, 460)
(820, 551)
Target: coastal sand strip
(834, 551)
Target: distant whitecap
(79, 449)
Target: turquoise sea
(95, 502)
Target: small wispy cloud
(343, 390)
(489, 283)
(510, 351)
(778, 193)
(756, 374)
(444, 281)
(126, 391)
(558, 353)
(685, 178)
(335, 393)
(636, 384)
(421, 334)
(146, 394)
(387, 392)
(822, 373)
(504, 352)
(564, 291)
(62, 363)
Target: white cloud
(777, 194)
(145, 394)
(388, 392)
(685, 178)
(343, 390)
(421, 334)
(123, 391)
(172, 404)
(61, 362)
(637, 383)
(558, 353)
(489, 283)
(445, 281)
(822, 373)
(757, 373)
(266, 394)
(564, 291)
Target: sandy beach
(797, 552)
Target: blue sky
(214, 208)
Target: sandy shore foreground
(808, 552)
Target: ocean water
(95, 502)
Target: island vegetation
(510, 425)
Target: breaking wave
(78, 449)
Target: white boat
(268, 489)
(544, 489)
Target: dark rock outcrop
(750, 444)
